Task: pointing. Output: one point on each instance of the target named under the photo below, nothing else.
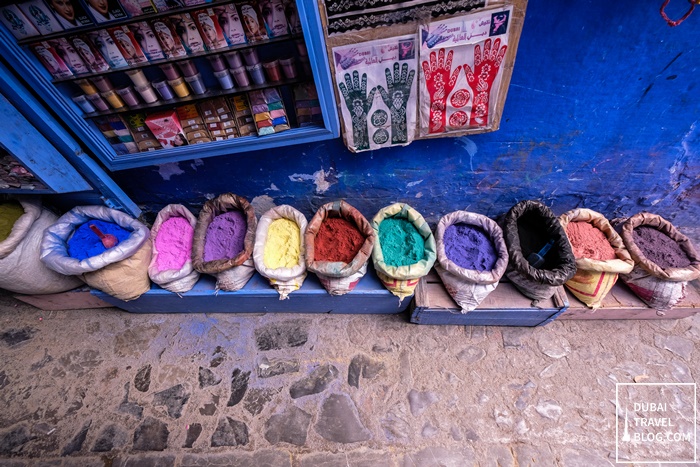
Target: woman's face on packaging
(209, 31)
(125, 43)
(84, 50)
(250, 18)
(73, 59)
(166, 39)
(109, 48)
(230, 23)
(64, 8)
(48, 59)
(149, 42)
(273, 12)
(191, 37)
(100, 5)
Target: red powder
(337, 240)
(589, 242)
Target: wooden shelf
(208, 53)
(210, 94)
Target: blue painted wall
(603, 112)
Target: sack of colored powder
(528, 227)
(171, 236)
(21, 270)
(224, 239)
(665, 260)
(339, 242)
(120, 271)
(279, 249)
(471, 257)
(600, 255)
(404, 248)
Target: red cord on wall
(675, 23)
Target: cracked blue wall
(603, 112)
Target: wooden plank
(368, 297)
(76, 299)
(622, 303)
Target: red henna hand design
(440, 83)
(481, 79)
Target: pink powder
(225, 236)
(589, 241)
(174, 243)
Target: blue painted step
(368, 297)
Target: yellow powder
(9, 213)
(283, 244)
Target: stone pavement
(109, 388)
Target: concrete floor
(107, 388)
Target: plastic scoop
(108, 240)
(536, 260)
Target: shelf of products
(166, 60)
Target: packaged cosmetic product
(15, 22)
(137, 123)
(186, 29)
(272, 70)
(114, 100)
(225, 79)
(84, 104)
(105, 11)
(256, 73)
(167, 129)
(207, 110)
(233, 59)
(90, 55)
(149, 145)
(128, 96)
(137, 7)
(41, 17)
(208, 24)
(70, 13)
(217, 62)
(69, 55)
(50, 59)
(169, 40)
(104, 43)
(86, 86)
(137, 77)
(253, 23)
(301, 47)
(250, 56)
(289, 68)
(98, 102)
(170, 71)
(196, 83)
(273, 12)
(189, 115)
(241, 77)
(180, 88)
(188, 68)
(148, 40)
(103, 83)
(292, 17)
(128, 45)
(147, 93)
(168, 5)
(164, 90)
(230, 23)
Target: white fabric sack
(21, 270)
(284, 280)
(175, 280)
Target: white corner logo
(655, 423)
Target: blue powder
(85, 243)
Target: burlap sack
(594, 278)
(175, 280)
(231, 274)
(21, 269)
(121, 271)
(402, 280)
(339, 278)
(528, 226)
(469, 287)
(284, 280)
(660, 288)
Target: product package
(104, 43)
(230, 24)
(167, 129)
(167, 36)
(307, 105)
(290, 7)
(167, 5)
(147, 40)
(187, 31)
(253, 22)
(243, 115)
(103, 11)
(69, 55)
(189, 116)
(273, 12)
(208, 24)
(15, 22)
(128, 45)
(268, 111)
(114, 128)
(137, 7)
(70, 13)
(41, 17)
(51, 60)
(463, 96)
(90, 55)
(377, 86)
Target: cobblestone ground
(109, 388)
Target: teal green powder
(401, 243)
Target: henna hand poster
(377, 85)
(461, 68)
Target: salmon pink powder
(589, 241)
(174, 243)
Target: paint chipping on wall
(166, 171)
(196, 163)
(469, 146)
(262, 204)
(272, 187)
(323, 179)
(410, 184)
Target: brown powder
(589, 241)
(659, 248)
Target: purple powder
(659, 248)
(225, 236)
(469, 247)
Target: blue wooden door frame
(36, 114)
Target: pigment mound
(469, 247)
(9, 213)
(174, 244)
(85, 243)
(402, 244)
(225, 236)
(659, 248)
(283, 245)
(588, 241)
(337, 240)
